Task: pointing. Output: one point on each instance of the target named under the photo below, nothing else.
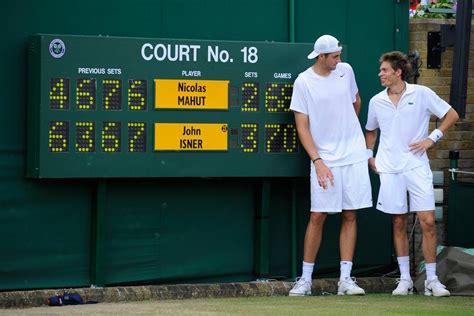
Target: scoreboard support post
(262, 218)
(97, 260)
(293, 229)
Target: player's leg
(432, 285)
(420, 188)
(348, 235)
(347, 241)
(322, 202)
(400, 241)
(393, 200)
(357, 194)
(312, 242)
(313, 236)
(428, 229)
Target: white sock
(404, 266)
(346, 268)
(308, 271)
(430, 271)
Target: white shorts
(417, 182)
(351, 190)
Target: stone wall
(461, 136)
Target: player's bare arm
(447, 121)
(370, 137)
(357, 104)
(323, 173)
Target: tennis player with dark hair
(402, 113)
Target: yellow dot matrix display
(280, 138)
(250, 97)
(111, 137)
(59, 94)
(86, 94)
(136, 137)
(58, 136)
(278, 97)
(112, 94)
(249, 140)
(137, 95)
(85, 137)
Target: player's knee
(317, 219)
(428, 224)
(349, 216)
(399, 223)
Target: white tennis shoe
(349, 287)
(435, 288)
(404, 287)
(301, 287)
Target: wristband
(435, 135)
(370, 153)
(316, 159)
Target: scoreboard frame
(108, 107)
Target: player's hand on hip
(421, 146)
(323, 173)
(372, 165)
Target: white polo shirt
(334, 125)
(403, 125)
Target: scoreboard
(109, 107)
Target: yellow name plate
(191, 94)
(190, 136)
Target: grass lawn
(372, 304)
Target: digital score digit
(278, 97)
(59, 94)
(112, 94)
(250, 97)
(85, 137)
(249, 141)
(137, 137)
(137, 95)
(86, 94)
(280, 138)
(111, 138)
(58, 136)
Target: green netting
(460, 214)
(170, 231)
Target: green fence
(461, 198)
(77, 232)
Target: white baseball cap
(325, 44)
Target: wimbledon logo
(57, 48)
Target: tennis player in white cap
(326, 104)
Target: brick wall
(461, 136)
